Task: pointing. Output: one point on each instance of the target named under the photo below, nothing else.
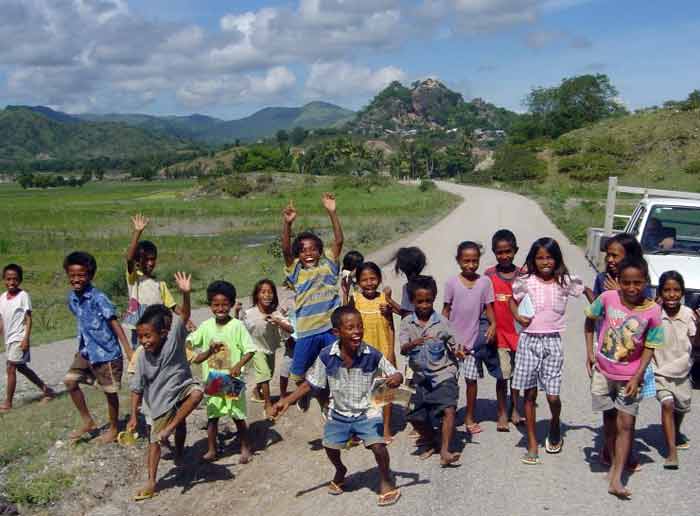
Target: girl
(348, 274)
(631, 329)
(467, 295)
(268, 328)
(539, 358)
(377, 321)
(673, 361)
(410, 261)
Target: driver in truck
(656, 236)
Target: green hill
(27, 135)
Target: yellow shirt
(378, 330)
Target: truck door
(634, 225)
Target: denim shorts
(339, 429)
(306, 352)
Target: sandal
(530, 459)
(671, 464)
(683, 444)
(553, 448)
(389, 498)
(474, 428)
(335, 488)
(144, 494)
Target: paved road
(289, 477)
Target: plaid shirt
(548, 299)
(350, 386)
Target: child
(224, 345)
(349, 367)
(163, 381)
(314, 276)
(99, 358)
(268, 328)
(16, 322)
(631, 329)
(287, 310)
(540, 358)
(672, 362)
(502, 275)
(425, 337)
(348, 276)
(410, 261)
(144, 289)
(377, 321)
(467, 296)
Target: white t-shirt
(12, 311)
(267, 337)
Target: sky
(229, 58)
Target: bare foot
(147, 492)
(517, 419)
(49, 394)
(86, 428)
(164, 435)
(620, 491)
(448, 459)
(246, 455)
(109, 436)
(388, 438)
(4, 408)
(339, 478)
(427, 453)
(210, 456)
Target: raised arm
(328, 200)
(184, 284)
(139, 223)
(289, 215)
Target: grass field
(211, 236)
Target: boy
(163, 380)
(224, 345)
(314, 277)
(502, 275)
(426, 339)
(16, 322)
(348, 367)
(99, 358)
(144, 289)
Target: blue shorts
(340, 429)
(306, 352)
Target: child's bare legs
(668, 421)
(554, 423)
(471, 403)
(264, 389)
(623, 444)
(88, 424)
(113, 409)
(515, 416)
(530, 400)
(180, 436)
(448, 428)
(188, 405)
(12, 370)
(678, 417)
(153, 461)
(212, 433)
(381, 455)
(244, 437)
(609, 436)
(284, 383)
(340, 469)
(386, 413)
(501, 394)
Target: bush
(595, 167)
(608, 145)
(236, 186)
(516, 163)
(566, 146)
(569, 164)
(692, 168)
(426, 185)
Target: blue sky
(229, 59)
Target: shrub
(595, 167)
(236, 186)
(692, 167)
(608, 145)
(566, 146)
(427, 185)
(516, 163)
(569, 164)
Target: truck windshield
(672, 229)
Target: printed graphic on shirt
(622, 335)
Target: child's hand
(24, 346)
(385, 309)
(394, 380)
(490, 333)
(235, 371)
(289, 214)
(632, 387)
(460, 354)
(419, 342)
(523, 321)
(215, 347)
(184, 282)
(139, 222)
(190, 326)
(590, 362)
(610, 283)
(328, 201)
(387, 293)
(279, 408)
(132, 424)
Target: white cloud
(340, 79)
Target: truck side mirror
(604, 243)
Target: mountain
(428, 104)
(262, 124)
(40, 133)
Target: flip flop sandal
(673, 465)
(530, 459)
(389, 498)
(474, 428)
(553, 448)
(453, 464)
(144, 494)
(335, 488)
(502, 429)
(684, 445)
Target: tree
(282, 137)
(693, 101)
(298, 135)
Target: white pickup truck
(667, 225)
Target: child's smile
(78, 277)
(545, 263)
(468, 261)
(12, 281)
(671, 295)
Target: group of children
(339, 338)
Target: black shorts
(429, 404)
